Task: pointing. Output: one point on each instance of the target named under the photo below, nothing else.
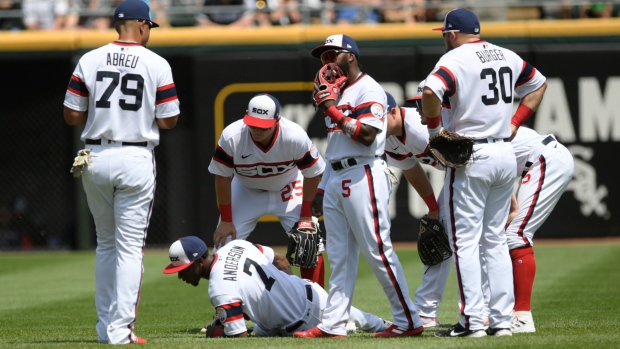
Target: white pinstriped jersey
(412, 147)
(124, 87)
(271, 168)
(365, 101)
(243, 280)
(527, 145)
(475, 83)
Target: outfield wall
(218, 70)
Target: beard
(344, 66)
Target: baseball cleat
(429, 322)
(459, 331)
(133, 339)
(386, 324)
(523, 322)
(395, 331)
(499, 332)
(316, 332)
(351, 326)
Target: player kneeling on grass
(252, 281)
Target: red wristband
(305, 209)
(433, 122)
(334, 114)
(226, 213)
(320, 191)
(431, 202)
(523, 113)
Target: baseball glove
(328, 83)
(433, 245)
(215, 329)
(304, 244)
(451, 149)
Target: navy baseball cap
(263, 111)
(184, 252)
(337, 41)
(134, 9)
(391, 102)
(418, 97)
(460, 20)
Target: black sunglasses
(149, 23)
(418, 103)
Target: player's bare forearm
(533, 99)
(223, 191)
(310, 185)
(74, 117)
(280, 262)
(419, 181)
(367, 135)
(430, 103)
(167, 123)
(514, 208)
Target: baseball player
(123, 93)
(406, 148)
(475, 82)
(546, 167)
(276, 170)
(255, 281)
(356, 191)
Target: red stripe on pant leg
(455, 252)
(386, 263)
(530, 211)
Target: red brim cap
(171, 269)
(257, 122)
(440, 28)
(416, 98)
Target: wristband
(351, 127)
(334, 114)
(305, 209)
(431, 202)
(226, 213)
(320, 191)
(523, 113)
(433, 122)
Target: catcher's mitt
(328, 83)
(303, 244)
(433, 245)
(451, 149)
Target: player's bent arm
(310, 186)
(532, 100)
(366, 135)
(431, 104)
(419, 181)
(223, 193)
(280, 262)
(514, 208)
(529, 104)
(74, 117)
(167, 123)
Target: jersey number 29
(115, 77)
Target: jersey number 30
(505, 86)
(136, 90)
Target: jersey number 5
(268, 281)
(136, 90)
(505, 86)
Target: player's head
(459, 22)
(132, 20)
(340, 49)
(393, 114)
(186, 254)
(417, 100)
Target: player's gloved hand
(223, 230)
(328, 84)
(317, 205)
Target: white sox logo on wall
(220, 314)
(377, 110)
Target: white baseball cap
(418, 96)
(184, 252)
(263, 111)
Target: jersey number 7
(268, 281)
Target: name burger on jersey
(231, 263)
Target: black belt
(293, 327)
(486, 140)
(337, 165)
(544, 142)
(98, 142)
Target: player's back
(243, 273)
(123, 80)
(480, 79)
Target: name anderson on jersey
(122, 60)
(231, 263)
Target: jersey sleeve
(222, 162)
(77, 94)
(529, 80)
(166, 100)
(442, 82)
(229, 310)
(371, 109)
(310, 163)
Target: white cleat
(429, 322)
(523, 322)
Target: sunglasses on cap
(330, 56)
(418, 103)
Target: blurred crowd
(19, 228)
(97, 14)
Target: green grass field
(47, 301)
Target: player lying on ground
(255, 282)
